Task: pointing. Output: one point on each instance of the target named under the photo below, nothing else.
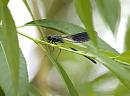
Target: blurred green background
(90, 79)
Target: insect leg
(91, 59)
(58, 54)
(53, 43)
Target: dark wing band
(79, 37)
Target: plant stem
(29, 9)
(42, 42)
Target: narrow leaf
(110, 54)
(120, 72)
(1, 12)
(1, 92)
(27, 6)
(115, 67)
(84, 10)
(68, 82)
(23, 77)
(33, 17)
(6, 81)
(67, 28)
(110, 10)
(9, 43)
(127, 36)
(5, 2)
(33, 91)
(124, 57)
(61, 26)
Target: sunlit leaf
(124, 57)
(6, 78)
(6, 81)
(110, 54)
(84, 10)
(9, 43)
(110, 11)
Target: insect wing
(78, 38)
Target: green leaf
(33, 17)
(99, 54)
(10, 49)
(1, 92)
(5, 2)
(110, 10)
(23, 77)
(121, 91)
(127, 36)
(33, 91)
(0, 13)
(110, 54)
(68, 82)
(61, 26)
(120, 72)
(27, 6)
(67, 28)
(84, 10)
(124, 57)
(6, 81)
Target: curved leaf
(84, 10)
(61, 26)
(110, 11)
(23, 77)
(67, 28)
(104, 57)
(119, 71)
(12, 80)
(68, 82)
(124, 58)
(6, 81)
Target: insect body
(76, 38)
(54, 39)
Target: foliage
(13, 69)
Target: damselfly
(76, 38)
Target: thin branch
(29, 9)
(42, 42)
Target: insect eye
(49, 37)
